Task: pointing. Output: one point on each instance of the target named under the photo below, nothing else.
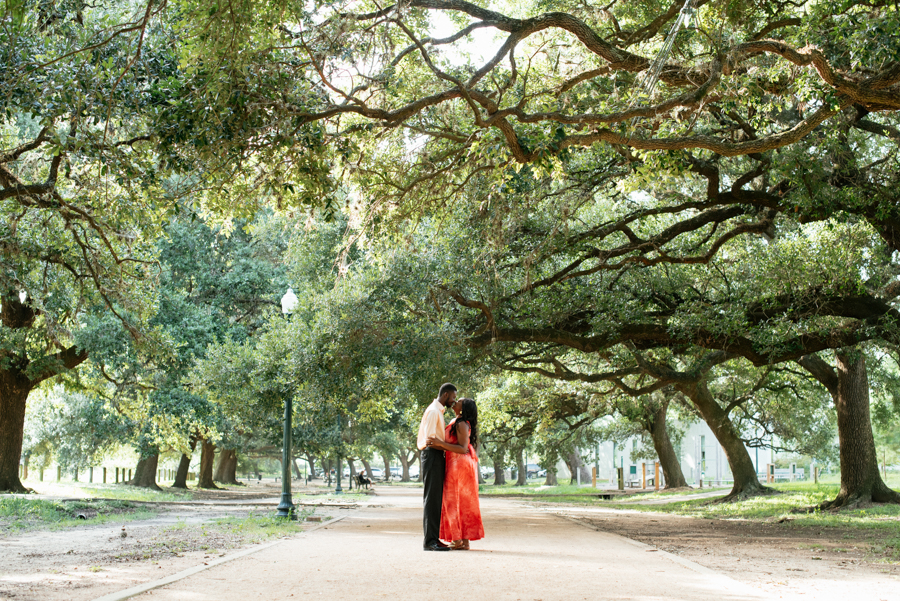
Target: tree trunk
(574, 462)
(351, 463)
(145, 473)
(297, 473)
(387, 467)
(861, 481)
(668, 459)
(521, 468)
(551, 480)
(742, 470)
(498, 459)
(481, 479)
(312, 465)
(326, 464)
(368, 467)
(14, 390)
(226, 469)
(405, 462)
(183, 466)
(207, 457)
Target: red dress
(460, 511)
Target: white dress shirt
(432, 424)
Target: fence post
(104, 475)
(643, 475)
(42, 474)
(656, 477)
(594, 477)
(620, 472)
(58, 473)
(117, 475)
(91, 475)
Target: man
(432, 461)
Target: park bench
(361, 481)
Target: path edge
(728, 581)
(149, 586)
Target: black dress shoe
(437, 547)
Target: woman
(460, 512)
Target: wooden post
(58, 473)
(643, 475)
(656, 476)
(91, 475)
(24, 472)
(620, 472)
(816, 474)
(594, 477)
(117, 475)
(129, 475)
(42, 474)
(75, 475)
(104, 475)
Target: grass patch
(784, 506)
(538, 490)
(19, 514)
(214, 537)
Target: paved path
(529, 554)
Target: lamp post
(340, 469)
(286, 507)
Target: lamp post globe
(289, 302)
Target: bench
(361, 481)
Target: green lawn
(21, 513)
(121, 492)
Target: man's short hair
(445, 388)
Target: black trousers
(433, 478)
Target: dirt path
(775, 557)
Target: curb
(143, 588)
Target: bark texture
(368, 467)
(387, 466)
(521, 468)
(184, 466)
(498, 458)
(848, 386)
(14, 389)
(207, 457)
(145, 473)
(742, 469)
(668, 459)
(312, 465)
(226, 469)
(407, 459)
(551, 479)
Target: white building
(700, 453)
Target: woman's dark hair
(469, 415)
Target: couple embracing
(450, 472)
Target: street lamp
(286, 507)
(340, 469)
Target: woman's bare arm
(462, 434)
